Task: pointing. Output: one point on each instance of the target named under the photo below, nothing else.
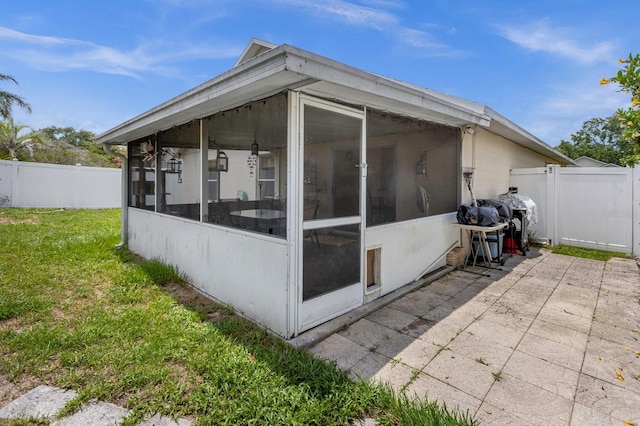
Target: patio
(551, 340)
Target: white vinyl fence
(25, 184)
(592, 207)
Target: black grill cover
(504, 210)
(483, 216)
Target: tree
(66, 145)
(8, 99)
(16, 139)
(599, 138)
(77, 138)
(628, 79)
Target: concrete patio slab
(557, 353)
(609, 399)
(559, 333)
(42, 402)
(549, 340)
(475, 347)
(544, 374)
(346, 353)
(395, 374)
(158, 420)
(436, 390)
(465, 374)
(431, 331)
(392, 318)
(529, 402)
(46, 402)
(95, 413)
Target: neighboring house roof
(586, 161)
(263, 70)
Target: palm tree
(8, 99)
(17, 138)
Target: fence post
(552, 211)
(15, 184)
(78, 174)
(635, 210)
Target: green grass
(77, 313)
(587, 253)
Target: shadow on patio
(552, 339)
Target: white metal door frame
(322, 308)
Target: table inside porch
(269, 221)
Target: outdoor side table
(479, 233)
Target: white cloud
(8, 33)
(61, 54)
(421, 43)
(565, 110)
(374, 16)
(540, 37)
(346, 12)
(389, 4)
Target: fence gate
(592, 207)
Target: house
(586, 161)
(296, 188)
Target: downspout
(124, 217)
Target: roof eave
(303, 68)
(327, 70)
(267, 64)
(504, 127)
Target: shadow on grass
(337, 396)
(296, 365)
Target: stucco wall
(246, 271)
(411, 248)
(495, 158)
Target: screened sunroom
(296, 188)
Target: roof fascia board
(322, 68)
(270, 63)
(542, 146)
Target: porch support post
(204, 170)
(294, 243)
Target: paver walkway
(46, 402)
(552, 340)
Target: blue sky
(94, 64)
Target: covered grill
(524, 212)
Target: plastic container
(492, 240)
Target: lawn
(587, 253)
(76, 312)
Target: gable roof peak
(254, 48)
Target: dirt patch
(193, 299)
(10, 221)
(10, 390)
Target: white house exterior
(296, 188)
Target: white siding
(495, 158)
(246, 271)
(412, 248)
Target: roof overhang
(502, 126)
(267, 72)
(288, 68)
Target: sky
(93, 64)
